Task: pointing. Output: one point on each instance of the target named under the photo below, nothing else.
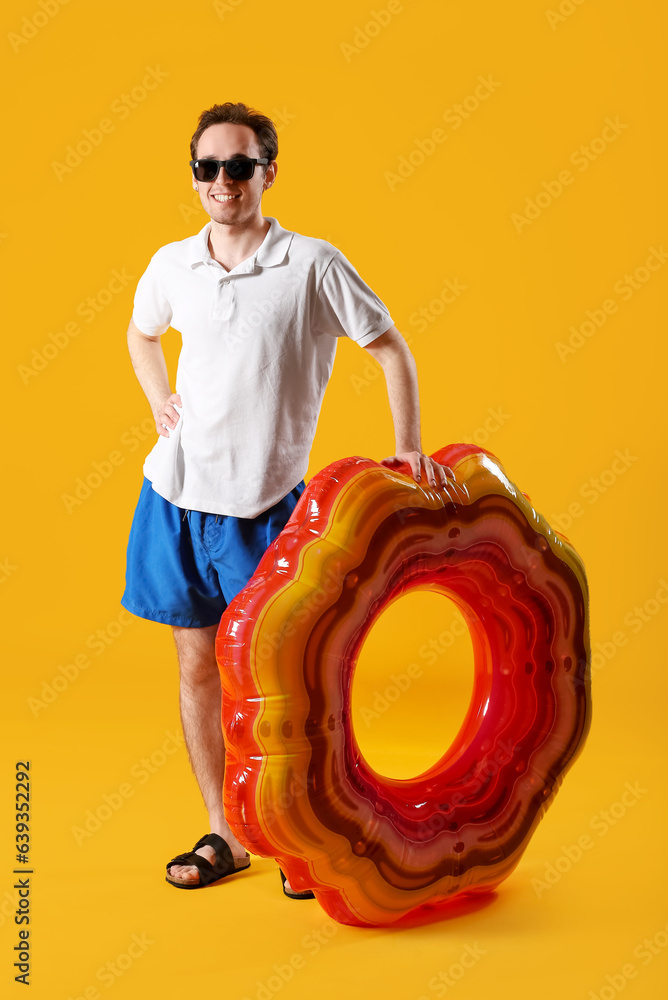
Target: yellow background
(351, 102)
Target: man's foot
(189, 876)
(294, 893)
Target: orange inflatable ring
(297, 787)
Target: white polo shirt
(258, 349)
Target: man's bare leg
(200, 699)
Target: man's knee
(196, 651)
(192, 638)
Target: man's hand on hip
(167, 416)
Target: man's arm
(150, 368)
(392, 353)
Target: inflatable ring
(297, 787)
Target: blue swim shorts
(185, 566)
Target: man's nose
(224, 177)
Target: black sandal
(224, 865)
(291, 894)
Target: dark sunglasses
(239, 169)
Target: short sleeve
(152, 312)
(346, 306)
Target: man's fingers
(437, 475)
(443, 473)
(168, 416)
(429, 470)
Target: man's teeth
(225, 197)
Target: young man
(259, 309)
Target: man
(259, 309)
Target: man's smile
(225, 197)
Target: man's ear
(270, 175)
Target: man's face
(224, 142)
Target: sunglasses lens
(206, 170)
(240, 170)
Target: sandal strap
(212, 840)
(203, 866)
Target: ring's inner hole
(412, 684)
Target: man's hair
(239, 114)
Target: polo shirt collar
(271, 251)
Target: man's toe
(184, 871)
